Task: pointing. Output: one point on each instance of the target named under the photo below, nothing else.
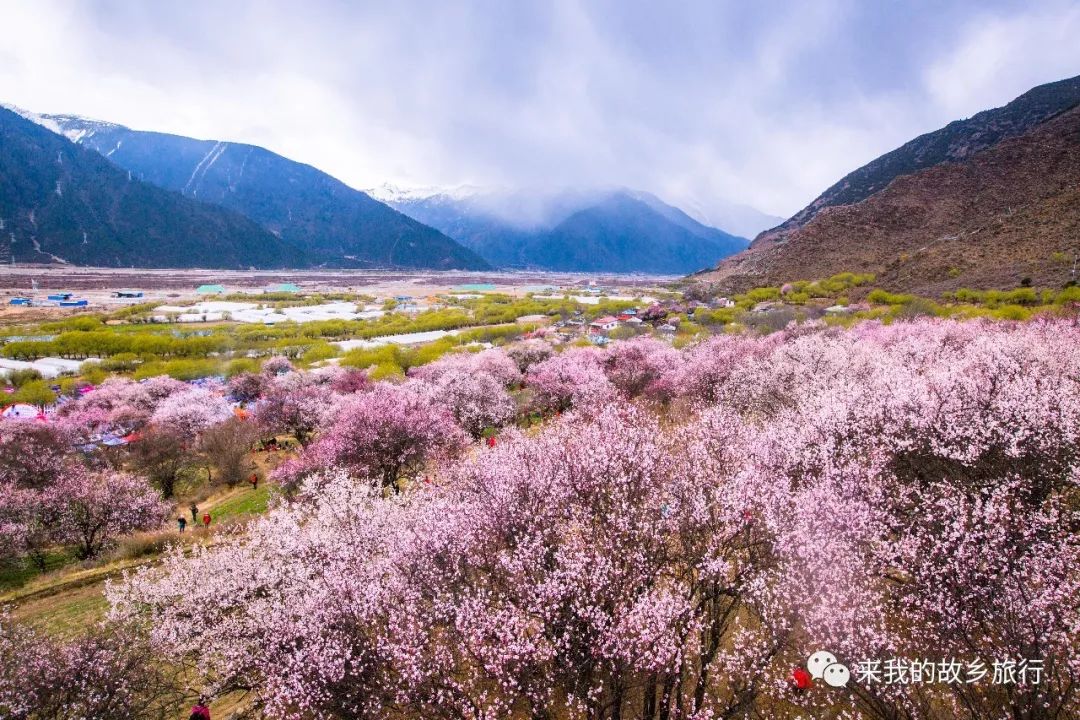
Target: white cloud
(997, 58)
(764, 104)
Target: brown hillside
(956, 142)
(1007, 213)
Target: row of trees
(89, 337)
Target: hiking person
(181, 522)
(254, 480)
(206, 519)
(200, 711)
(194, 512)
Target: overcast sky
(762, 103)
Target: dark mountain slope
(335, 224)
(624, 234)
(1008, 213)
(957, 141)
(62, 202)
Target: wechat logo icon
(824, 666)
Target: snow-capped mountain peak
(74, 127)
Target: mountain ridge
(336, 225)
(61, 202)
(614, 230)
(1006, 215)
(956, 141)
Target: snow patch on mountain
(391, 192)
(42, 120)
(75, 128)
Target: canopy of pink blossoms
(692, 528)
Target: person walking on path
(254, 480)
(194, 512)
(206, 519)
(181, 522)
(200, 711)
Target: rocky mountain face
(986, 202)
(582, 231)
(333, 224)
(60, 202)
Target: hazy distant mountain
(334, 224)
(991, 201)
(63, 203)
(569, 230)
(741, 220)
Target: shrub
(763, 294)
(883, 297)
(239, 366)
(35, 392)
(20, 377)
(121, 362)
(917, 307)
(1011, 312)
(1068, 295)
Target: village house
(604, 324)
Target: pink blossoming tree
(477, 400)
(389, 433)
(574, 379)
(93, 509)
(191, 411)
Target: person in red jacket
(254, 480)
(200, 711)
(206, 519)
